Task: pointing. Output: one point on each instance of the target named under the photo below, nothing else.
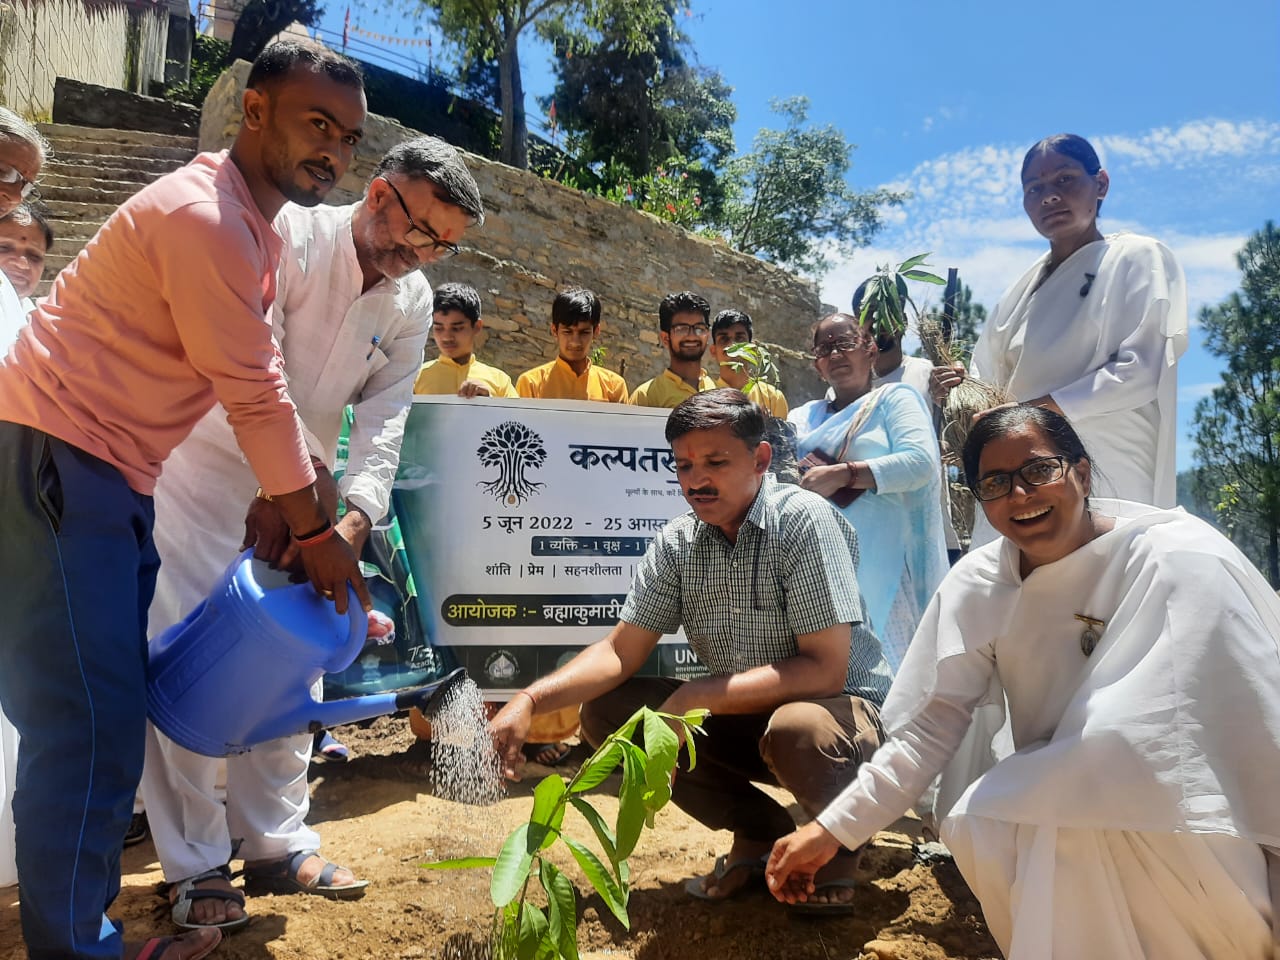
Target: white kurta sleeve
(887, 785)
(380, 411)
(1137, 308)
(914, 460)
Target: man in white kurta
(352, 316)
(1137, 816)
(1101, 336)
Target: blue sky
(942, 98)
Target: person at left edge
(349, 275)
(162, 315)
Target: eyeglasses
(1035, 473)
(421, 236)
(685, 329)
(10, 174)
(846, 345)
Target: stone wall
(113, 44)
(540, 237)
(91, 105)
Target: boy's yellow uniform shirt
(557, 381)
(668, 390)
(444, 376)
(765, 396)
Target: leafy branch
(886, 297)
(757, 359)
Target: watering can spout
(337, 712)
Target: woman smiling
(1139, 655)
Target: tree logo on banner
(513, 448)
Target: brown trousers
(812, 748)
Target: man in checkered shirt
(761, 576)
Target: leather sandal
(185, 893)
(281, 876)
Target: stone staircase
(92, 171)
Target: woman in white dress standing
(22, 152)
(1139, 653)
(1093, 330)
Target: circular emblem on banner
(501, 667)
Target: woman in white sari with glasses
(1139, 654)
(1093, 330)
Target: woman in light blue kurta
(879, 442)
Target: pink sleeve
(218, 290)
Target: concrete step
(85, 191)
(95, 164)
(86, 215)
(74, 229)
(135, 143)
(112, 171)
(65, 248)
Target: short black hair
(717, 408)
(27, 212)
(575, 306)
(686, 301)
(727, 318)
(457, 296)
(277, 61)
(1053, 426)
(439, 163)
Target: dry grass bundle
(971, 397)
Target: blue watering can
(238, 670)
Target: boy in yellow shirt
(734, 326)
(683, 320)
(455, 322)
(575, 323)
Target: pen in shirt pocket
(373, 345)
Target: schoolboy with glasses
(684, 322)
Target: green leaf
(915, 261)
(533, 932)
(600, 878)
(631, 800)
(515, 859)
(548, 807)
(562, 910)
(460, 863)
(924, 277)
(602, 831)
(597, 769)
(662, 746)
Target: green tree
(1237, 427)
(629, 112)
(789, 200)
(491, 30)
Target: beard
(688, 353)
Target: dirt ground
(377, 816)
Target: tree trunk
(515, 135)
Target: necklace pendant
(1092, 633)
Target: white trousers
(266, 804)
(1050, 892)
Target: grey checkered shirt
(742, 604)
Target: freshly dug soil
(377, 816)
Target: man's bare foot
(189, 946)
(743, 864)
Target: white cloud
(1191, 392)
(1193, 142)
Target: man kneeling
(761, 576)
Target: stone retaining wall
(540, 237)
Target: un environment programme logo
(514, 449)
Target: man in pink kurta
(164, 313)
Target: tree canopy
(1237, 427)
(492, 29)
(789, 201)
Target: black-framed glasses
(10, 174)
(843, 345)
(421, 236)
(685, 329)
(1035, 473)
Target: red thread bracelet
(319, 536)
(530, 696)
